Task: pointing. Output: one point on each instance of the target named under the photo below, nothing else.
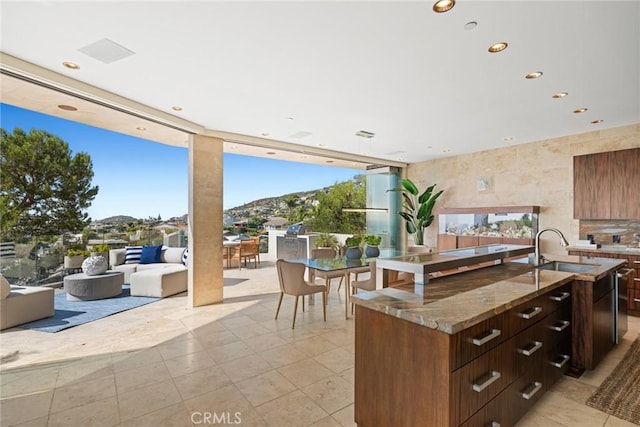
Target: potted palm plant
(372, 241)
(327, 240)
(417, 208)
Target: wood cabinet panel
(625, 184)
(467, 241)
(485, 240)
(591, 186)
(607, 185)
(447, 241)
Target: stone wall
(538, 173)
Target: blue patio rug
(73, 313)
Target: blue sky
(142, 178)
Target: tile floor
(164, 364)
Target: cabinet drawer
(634, 299)
(527, 314)
(559, 298)
(530, 346)
(479, 381)
(478, 339)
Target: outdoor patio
(166, 364)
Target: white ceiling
(423, 84)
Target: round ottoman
(80, 287)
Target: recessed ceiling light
(271, 153)
(560, 95)
(470, 25)
(498, 47)
(429, 146)
(71, 65)
(446, 150)
(67, 107)
(290, 118)
(580, 110)
(176, 108)
(141, 128)
(533, 75)
(265, 134)
(507, 138)
(321, 145)
(442, 6)
(595, 122)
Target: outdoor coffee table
(80, 287)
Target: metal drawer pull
(636, 279)
(536, 387)
(636, 262)
(531, 314)
(565, 359)
(494, 376)
(493, 334)
(636, 300)
(537, 345)
(561, 297)
(564, 324)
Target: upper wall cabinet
(607, 185)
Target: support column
(205, 220)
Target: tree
(44, 189)
(292, 201)
(328, 215)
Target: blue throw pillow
(150, 254)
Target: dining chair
(365, 285)
(327, 253)
(291, 278)
(246, 250)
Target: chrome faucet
(563, 243)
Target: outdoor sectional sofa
(23, 304)
(162, 276)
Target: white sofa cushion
(172, 255)
(5, 287)
(160, 282)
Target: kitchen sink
(567, 266)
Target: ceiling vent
(106, 51)
(365, 134)
(301, 134)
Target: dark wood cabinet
(633, 280)
(592, 322)
(625, 184)
(607, 185)
(592, 186)
(493, 372)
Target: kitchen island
(467, 349)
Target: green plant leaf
(409, 186)
(426, 194)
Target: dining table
(228, 245)
(340, 263)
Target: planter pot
(371, 251)
(95, 265)
(73, 262)
(354, 253)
